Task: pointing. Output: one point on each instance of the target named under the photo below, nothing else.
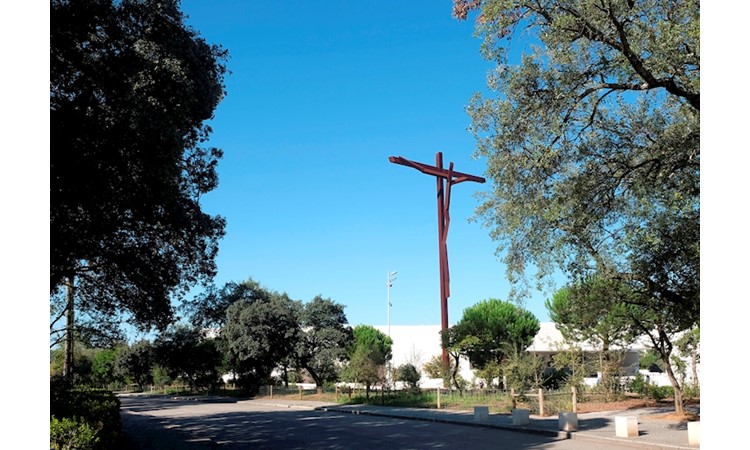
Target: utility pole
(445, 180)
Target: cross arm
(458, 177)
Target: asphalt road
(164, 423)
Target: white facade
(417, 344)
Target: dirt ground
(584, 407)
(624, 405)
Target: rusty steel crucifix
(444, 219)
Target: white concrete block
(568, 421)
(520, 416)
(481, 412)
(626, 426)
(694, 433)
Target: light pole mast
(391, 279)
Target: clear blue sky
(319, 95)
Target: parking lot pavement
(654, 432)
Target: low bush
(692, 391)
(638, 385)
(71, 434)
(659, 393)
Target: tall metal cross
(445, 179)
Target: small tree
(689, 345)
(104, 366)
(595, 310)
(572, 360)
(368, 354)
(488, 331)
(523, 370)
(409, 375)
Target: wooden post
(337, 394)
(575, 399)
(438, 398)
(300, 392)
(541, 402)
(270, 390)
(349, 388)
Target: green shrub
(71, 434)
(692, 391)
(638, 385)
(99, 409)
(659, 393)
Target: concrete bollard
(481, 413)
(568, 421)
(520, 416)
(694, 433)
(626, 426)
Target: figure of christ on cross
(445, 179)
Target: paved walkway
(654, 433)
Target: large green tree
(136, 363)
(131, 89)
(490, 331)
(324, 338)
(208, 309)
(592, 141)
(260, 334)
(186, 353)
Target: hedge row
(83, 417)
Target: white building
(417, 344)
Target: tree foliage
(596, 311)
(368, 354)
(186, 354)
(208, 309)
(490, 331)
(409, 375)
(592, 142)
(259, 334)
(131, 87)
(324, 337)
(593, 311)
(136, 362)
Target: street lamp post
(391, 279)
(389, 283)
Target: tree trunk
(454, 373)
(315, 376)
(679, 407)
(70, 322)
(694, 365)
